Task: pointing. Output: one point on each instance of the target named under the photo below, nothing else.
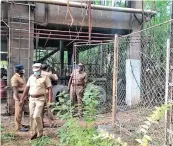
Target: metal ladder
(19, 49)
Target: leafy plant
(2, 128)
(90, 101)
(154, 118)
(109, 138)
(71, 133)
(63, 107)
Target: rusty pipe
(50, 30)
(62, 35)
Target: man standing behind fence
(37, 87)
(76, 86)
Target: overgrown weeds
(72, 134)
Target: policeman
(18, 84)
(77, 85)
(45, 71)
(36, 87)
(52, 77)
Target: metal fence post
(115, 74)
(167, 113)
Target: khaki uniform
(79, 79)
(38, 87)
(49, 74)
(51, 77)
(20, 83)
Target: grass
(44, 141)
(8, 136)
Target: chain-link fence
(140, 79)
(97, 58)
(142, 70)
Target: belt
(37, 96)
(77, 84)
(19, 91)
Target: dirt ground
(129, 121)
(22, 138)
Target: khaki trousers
(49, 114)
(36, 107)
(18, 114)
(77, 91)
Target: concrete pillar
(133, 62)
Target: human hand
(49, 104)
(20, 103)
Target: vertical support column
(61, 46)
(101, 58)
(89, 21)
(70, 53)
(133, 62)
(115, 74)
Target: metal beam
(61, 46)
(95, 7)
(47, 56)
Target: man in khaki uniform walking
(18, 84)
(37, 86)
(52, 77)
(76, 86)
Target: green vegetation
(7, 136)
(43, 141)
(154, 118)
(74, 134)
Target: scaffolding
(18, 52)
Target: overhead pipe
(95, 7)
(70, 39)
(63, 35)
(61, 31)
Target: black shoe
(33, 136)
(25, 126)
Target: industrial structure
(129, 68)
(29, 27)
(48, 31)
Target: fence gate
(140, 80)
(97, 59)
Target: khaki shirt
(79, 77)
(39, 85)
(19, 82)
(49, 74)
